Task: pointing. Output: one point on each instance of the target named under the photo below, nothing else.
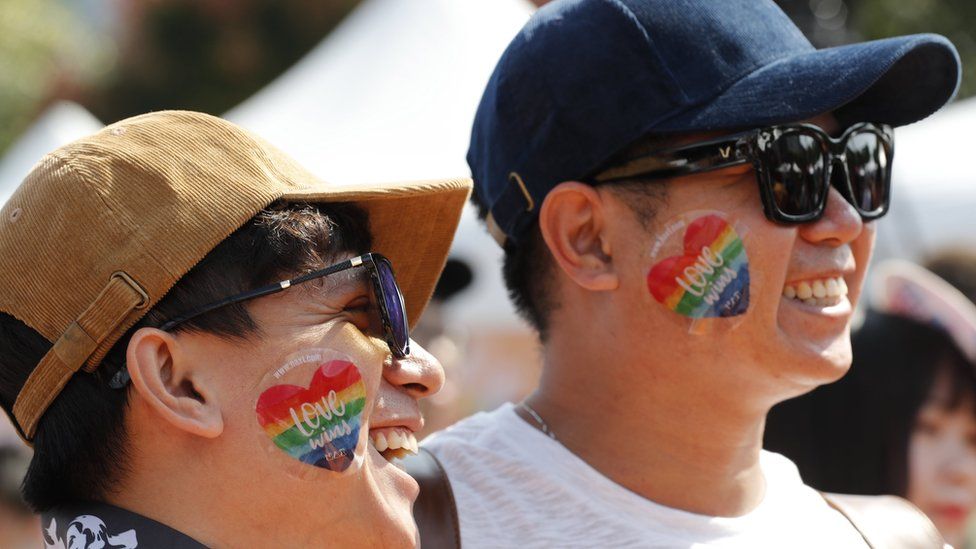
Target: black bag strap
(435, 510)
(887, 521)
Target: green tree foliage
(955, 19)
(43, 53)
(834, 22)
(205, 55)
(208, 55)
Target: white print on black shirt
(88, 532)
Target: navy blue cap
(585, 78)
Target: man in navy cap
(686, 193)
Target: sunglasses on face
(385, 294)
(795, 165)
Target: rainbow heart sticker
(319, 425)
(711, 278)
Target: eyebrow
(340, 283)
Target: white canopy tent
(933, 187)
(389, 96)
(60, 124)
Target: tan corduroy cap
(102, 228)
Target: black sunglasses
(794, 165)
(386, 294)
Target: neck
(186, 490)
(187, 494)
(675, 441)
(183, 503)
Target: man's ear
(573, 224)
(167, 382)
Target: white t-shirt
(516, 487)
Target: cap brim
(412, 224)
(894, 81)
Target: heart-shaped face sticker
(319, 425)
(711, 278)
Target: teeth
(818, 289)
(395, 440)
(395, 443)
(833, 288)
(803, 291)
(820, 292)
(414, 447)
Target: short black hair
(527, 268)
(852, 436)
(80, 446)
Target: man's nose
(839, 225)
(419, 374)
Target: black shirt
(87, 524)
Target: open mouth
(393, 442)
(819, 292)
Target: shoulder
(487, 451)
(884, 521)
(483, 452)
(506, 495)
(887, 521)
(484, 429)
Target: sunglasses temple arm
(121, 377)
(710, 155)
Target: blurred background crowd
(373, 90)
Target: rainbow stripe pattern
(711, 278)
(319, 425)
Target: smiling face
(793, 330)
(942, 460)
(307, 402)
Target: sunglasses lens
(796, 164)
(867, 165)
(393, 301)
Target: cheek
(771, 250)
(862, 247)
(310, 412)
(919, 456)
(920, 471)
(925, 454)
(699, 267)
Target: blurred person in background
(204, 345)
(19, 526)
(957, 266)
(684, 191)
(445, 343)
(903, 420)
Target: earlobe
(573, 223)
(167, 382)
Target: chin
(394, 494)
(825, 362)
(813, 347)
(818, 362)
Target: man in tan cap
(206, 345)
